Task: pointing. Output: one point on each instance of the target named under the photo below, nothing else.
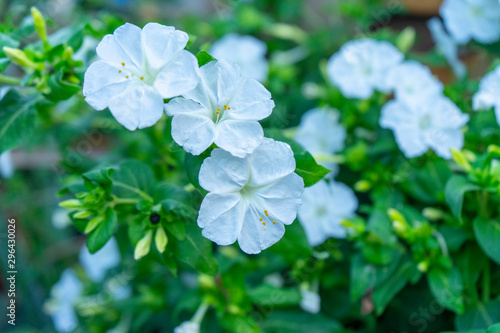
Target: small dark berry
(154, 218)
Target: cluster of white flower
(488, 95)
(253, 189)
(420, 116)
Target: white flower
(250, 199)
(246, 51)
(472, 19)
(430, 123)
(324, 207)
(137, 70)
(447, 46)
(63, 297)
(187, 327)
(320, 133)
(488, 95)
(6, 165)
(412, 81)
(60, 218)
(310, 302)
(96, 265)
(224, 108)
(361, 66)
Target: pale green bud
(39, 23)
(406, 39)
(161, 239)
(70, 204)
(18, 57)
(363, 186)
(460, 159)
(83, 214)
(143, 246)
(93, 224)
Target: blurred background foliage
(68, 138)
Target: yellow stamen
(265, 212)
(264, 223)
(260, 219)
(126, 76)
(123, 64)
(142, 77)
(229, 108)
(274, 222)
(120, 71)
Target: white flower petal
(255, 236)
(222, 172)
(123, 46)
(180, 105)
(137, 107)
(442, 140)
(251, 101)
(271, 161)
(162, 43)
(178, 76)
(101, 83)
(96, 265)
(6, 164)
(195, 133)
(221, 218)
(282, 199)
(239, 137)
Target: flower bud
(18, 57)
(39, 23)
(143, 246)
(399, 223)
(460, 159)
(161, 239)
(362, 186)
(83, 214)
(93, 224)
(71, 203)
(406, 39)
(423, 266)
(433, 214)
(494, 150)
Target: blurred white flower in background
(6, 164)
(86, 53)
(96, 265)
(320, 133)
(60, 218)
(187, 327)
(472, 19)
(137, 70)
(251, 199)
(310, 301)
(412, 81)
(224, 108)
(434, 123)
(324, 207)
(361, 67)
(447, 46)
(63, 295)
(488, 95)
(246, 51)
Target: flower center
(221, 111)
(425, 122)
(137, 75)
(265, 218)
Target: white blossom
(6, 164)
(320, 133)
(488, 95)
(447, 46)
(137, 70)
(96, 265)
(246, 51)
(472, 19)
(188, 327)
(412, 81)
(252, 198)
(63, 297)
(224, 108)
(310, 301)
(433, 123)
(361, 67)
(325, 206)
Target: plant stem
(486, 283)
(124, 201)
(200, 312)
(9, 80)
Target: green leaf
(175, 200)
(204, 58)
(192, 164)
(18, 119)
(6, 40)
(4, 63)
(363, 277)
(306, 166)
(494, 329)
(132, 179)
(447, 288)
(59, 89)
(196, 250)
(488, 236)
(269, 295)
(454, 192)
(103, 232)
(385, 292)
(481, 316)
(299, 322)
